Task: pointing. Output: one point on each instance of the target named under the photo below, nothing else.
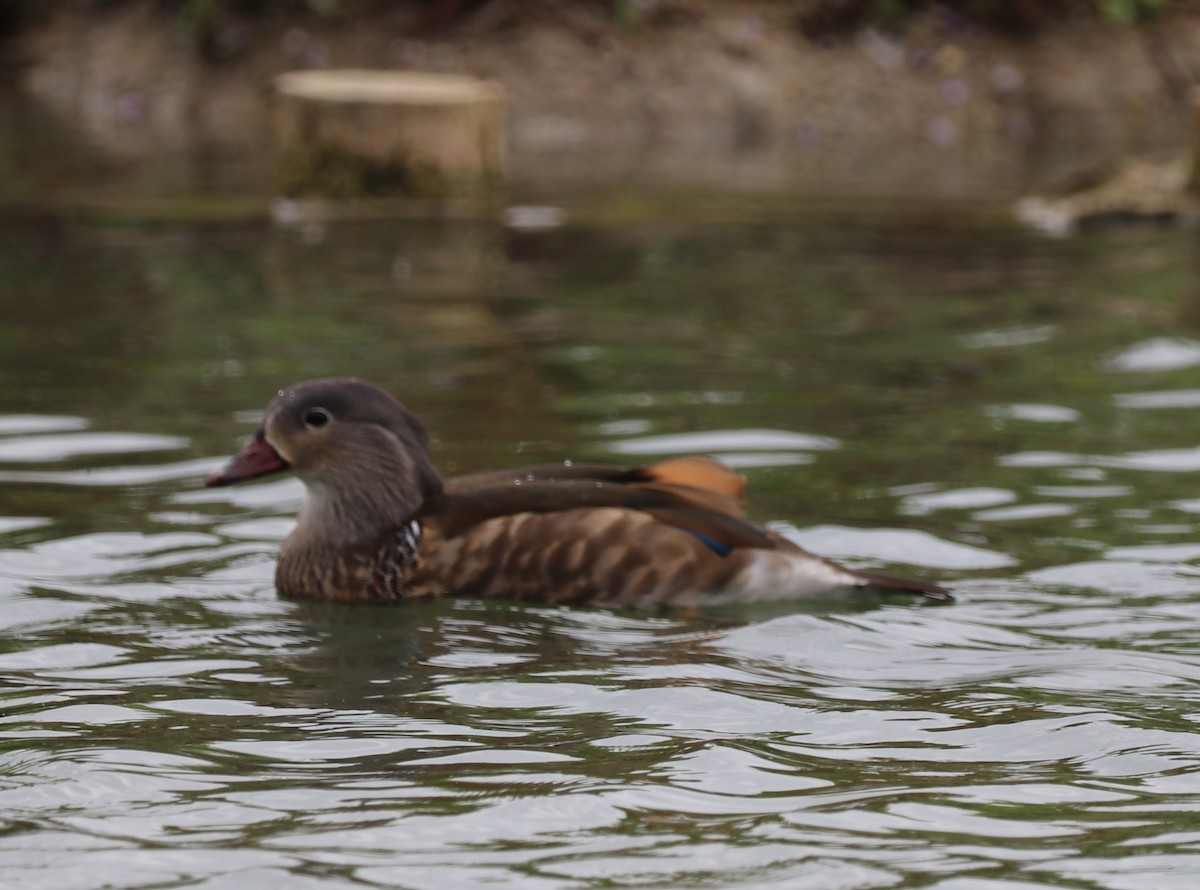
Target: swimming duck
(378, 522)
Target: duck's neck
(334, 550)
(342, 521)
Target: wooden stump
(352, 134)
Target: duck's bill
(258, 458)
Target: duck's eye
(314, 417)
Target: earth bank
(721, 92)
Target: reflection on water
(994, 411)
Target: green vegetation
(813, 14)
(208, 22)
(202, 17)
(819, 18)
(218, 28)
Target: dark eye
(316, 417)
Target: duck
(379, 523)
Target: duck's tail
(932, 592)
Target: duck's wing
(699, 473)
(708, 515)
(692, 495)
(696, 494)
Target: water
(1006, 414)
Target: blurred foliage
(816, 16)
(206, 22)
(822, 18)
(202, 17)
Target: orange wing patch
(699, 472)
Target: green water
(1010, 415)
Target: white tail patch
(781, 575)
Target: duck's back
(584, 555)
(669, 534)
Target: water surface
(1009, 415)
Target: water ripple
(41, 449)
(168, 721)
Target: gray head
(360, 452)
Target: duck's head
(350, 442)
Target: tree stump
(355, 134)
